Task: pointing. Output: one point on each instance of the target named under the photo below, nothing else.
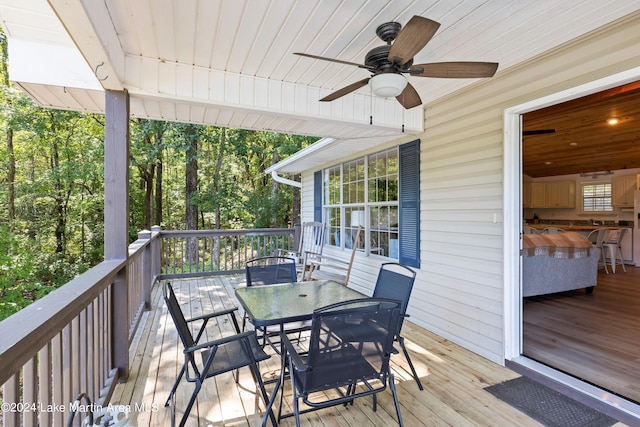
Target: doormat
(547, 406)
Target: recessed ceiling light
(548, 163)
(613, 120)
(573, 144)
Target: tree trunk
(274, 189)
(11, 177)
(216, 188)
(191, 184)
(295, 204)
(216, 176)
(158, 215)
(59, 210)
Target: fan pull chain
(370, 105)
(403, 110)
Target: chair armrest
(205, 317)
(213, 314)
(328, 261)
(220, 341)
(293, 354)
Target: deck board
(453, 377)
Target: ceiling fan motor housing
(378, 59)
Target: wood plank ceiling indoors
(583, 141)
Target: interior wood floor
(453, 378)
(590, 336)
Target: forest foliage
(182, 176)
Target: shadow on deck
(453, 377)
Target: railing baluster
(45, 390)
(66, 366)
(11, 395)
(29, 393)
(56, 368)
(90, 349)
(84, 382)
(74, 366)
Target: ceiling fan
(537, 132)
(389, 62)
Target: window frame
(596, 183)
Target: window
(383, 202)
(364, 192)
(596, 197)
(381, 193)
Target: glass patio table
(278, 304)
(291, 302)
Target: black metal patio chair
(349, 350)
(396, 281)
(214, 357)
(271, 270)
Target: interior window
(596, 197)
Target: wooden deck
(453, 377)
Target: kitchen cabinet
(561, 194)
(553, 194)
(526, 194)
(622, 189)
(537, 196)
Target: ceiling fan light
(388, 84)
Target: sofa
(558, 262)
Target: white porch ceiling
(231, 63)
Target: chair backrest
(270, 270)
(178, 317)
(350, 341)
(551, 230)
(614, 236)
(596, 237)
(395, 281)
(312, 238)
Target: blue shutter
(409, 201)
(317, 196)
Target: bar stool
(613, 244)
(596, 237)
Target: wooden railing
(76, 339)
(211, 252)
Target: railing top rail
(247, 232)
(35, 325)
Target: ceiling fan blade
(339, 61)
(412, 38)
(409, 97)
(537, 132)
(454, 70)
(346, 90)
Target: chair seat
(333, 376)
(231, 356)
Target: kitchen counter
(575, 227)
